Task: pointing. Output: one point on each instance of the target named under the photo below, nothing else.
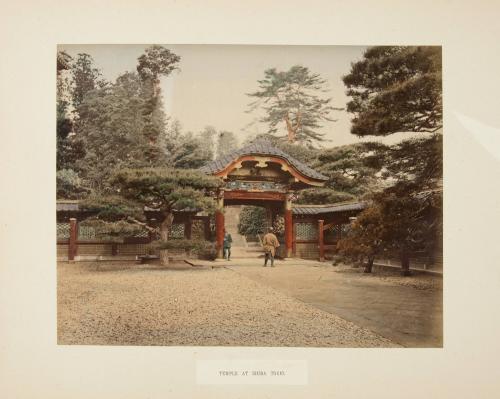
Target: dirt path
(406, 310)
(135, 305)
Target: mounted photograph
(249, 195)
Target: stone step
(232, 218)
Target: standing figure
(270, 243)
(227, 245)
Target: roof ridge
(328, 205)
(265, 147)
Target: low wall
(88, 251)
(307, 250)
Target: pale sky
(211, 86)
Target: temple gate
(263, 175)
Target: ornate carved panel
(272, 196)
(255, 186)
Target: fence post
(219, 224)
(288, 225)
(321, 240)
(73, 237)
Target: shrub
(252, 220)
(204, 249)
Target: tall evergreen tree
(69, 150)
(294, 100)
(64, 122)
(86, 77)
(398, 89)
(110, 126)
(156, 62)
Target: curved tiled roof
(328, 208)
(73, 206)
(260, 147)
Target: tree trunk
(164, 257)
(165, 228)
(291, 132)
(405, 263)
(369, 264)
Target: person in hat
(270, 243)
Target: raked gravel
(138, 305)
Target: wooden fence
(75, 242)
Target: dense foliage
(70, 185)
(163, 189)
(118, 116)
(399, 222)
(252, 221)
(396, 89)
(187, 150)
(399, 89)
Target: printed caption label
(273, 372)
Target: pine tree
(396, 89)
(163, 189)
(293, 99)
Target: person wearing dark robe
(227, 245)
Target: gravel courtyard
(127, 304)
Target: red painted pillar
(73, 237)
(219, 226)
(288, 227)
(321, 240)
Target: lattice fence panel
(306, 231)
(336, 232)
(177, 231)
(333, 233)
(62, 231)
(143, 234)
(86, 233)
